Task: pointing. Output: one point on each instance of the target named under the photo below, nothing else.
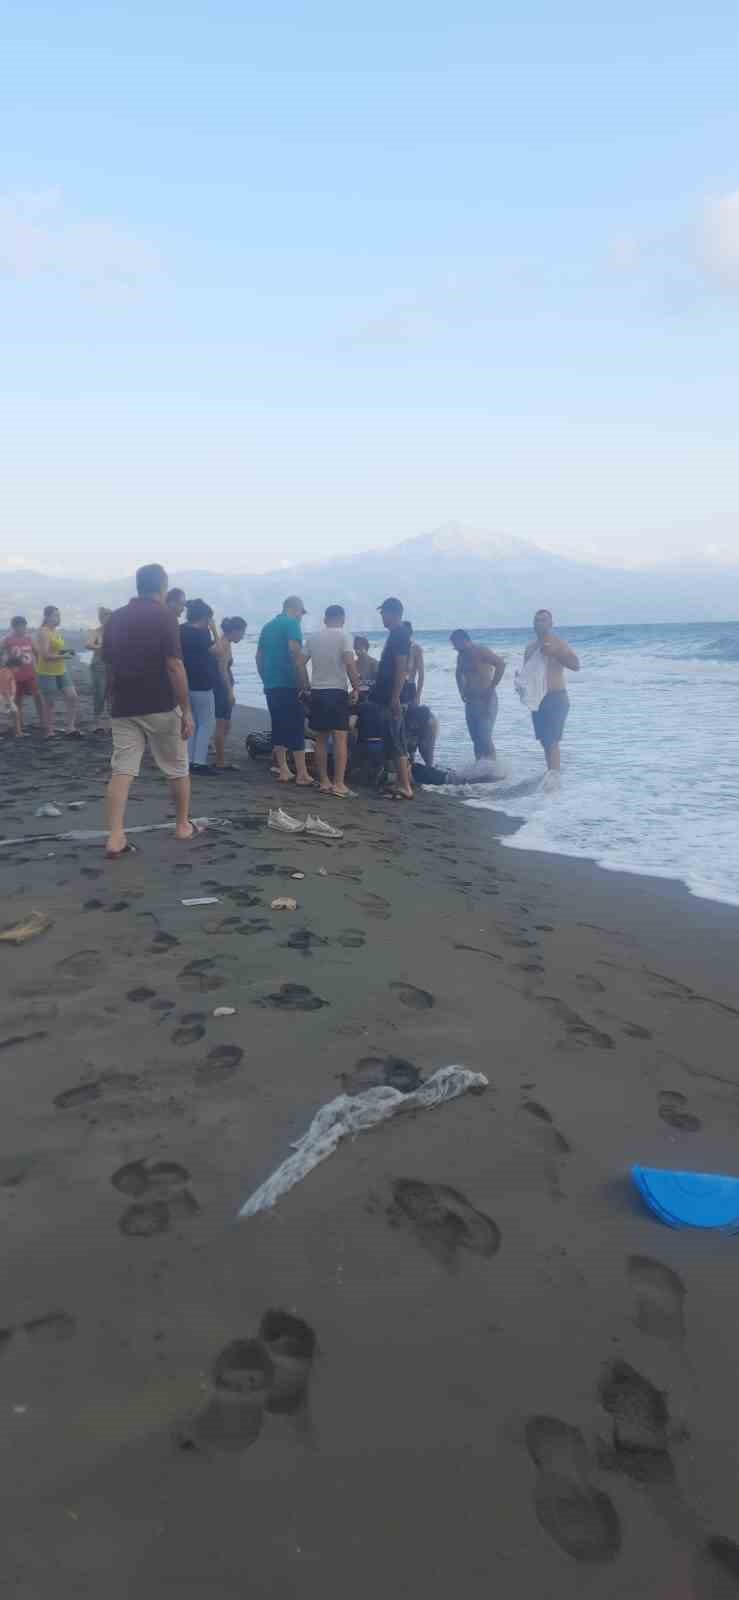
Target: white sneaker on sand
(322, 830)
(285, 823)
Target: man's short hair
(151, 580)
(18, 622)
(293, 603)
(176, 597)
(461, 635)
(361, 640)
(392, 604)
(49, 611)
(334, 614)
(198, 611)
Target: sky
(285, 281)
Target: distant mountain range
(454, 576)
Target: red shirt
(18, 653)
(138, 640)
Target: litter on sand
(297, 874)
(76, 805)
(352, 1114)
(690, 1199)
(203, 900)
(47, 811)
(35, 923)
(225, 1011)
(321, 829)
(284, 903)
(284, 823)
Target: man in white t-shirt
(332, 666)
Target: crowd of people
(162, 676)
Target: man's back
(326, 650)
(138, 641)
(278, 665)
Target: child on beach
(18, 652)
(232, 632)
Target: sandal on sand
(344, 794)
(398, 795)
(115, 855)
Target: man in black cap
(391, 675)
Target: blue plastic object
(690, 1199)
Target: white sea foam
(650, 758)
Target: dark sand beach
(507, 1378)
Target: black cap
(391, 604)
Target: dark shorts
(329, 710)
(223, 702)
(393, 734)
(288, 718)
(550, 719)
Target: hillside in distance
(454, 576)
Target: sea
(650, 757)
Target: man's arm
(421, 673)
(401, 673)
(460, 677)
(178, 679)
(299, 662)
(561, 651)
(351, 670)
(260, 661)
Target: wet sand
(501, 1378)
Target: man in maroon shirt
(150, 702)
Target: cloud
(720, 237)
(396, 328)
(40, 235)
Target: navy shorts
(329, 710)
(550, 719)
(288, 718)
(224, 708)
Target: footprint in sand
(375, 905)
(138, 996)
(292, 997)
(83, 1093)
(374, 1072)
(220, 1063)
(660, 1296)
(159, 1191)
(250, 1377)
(640, 1420)
(203, 976)
(581, 1520)
(542, 1130)
(444, 1220)
(188, 1034)
(579, 1031)
(415, 999)
(671, 1108)
(74, 974)
(351, 939)
(304, 940)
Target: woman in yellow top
(53, 678)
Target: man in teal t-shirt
(281, 667)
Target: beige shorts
(162, 731)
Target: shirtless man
(479, 672)
(551, 716)
(421, 726)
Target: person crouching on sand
(150, 703)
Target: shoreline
(135, 1122)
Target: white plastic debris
(203, 900)
(284, 903)
(297, 874)
(47, 811)
(225, 1011)
(76, 805)
(353, 1114)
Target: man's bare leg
(181, 795)
(303, 777)
(552, 756)
(322, 761)
(220, 741)
(115, 807)
(403, 775)
(279, 755)
(341, 753)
